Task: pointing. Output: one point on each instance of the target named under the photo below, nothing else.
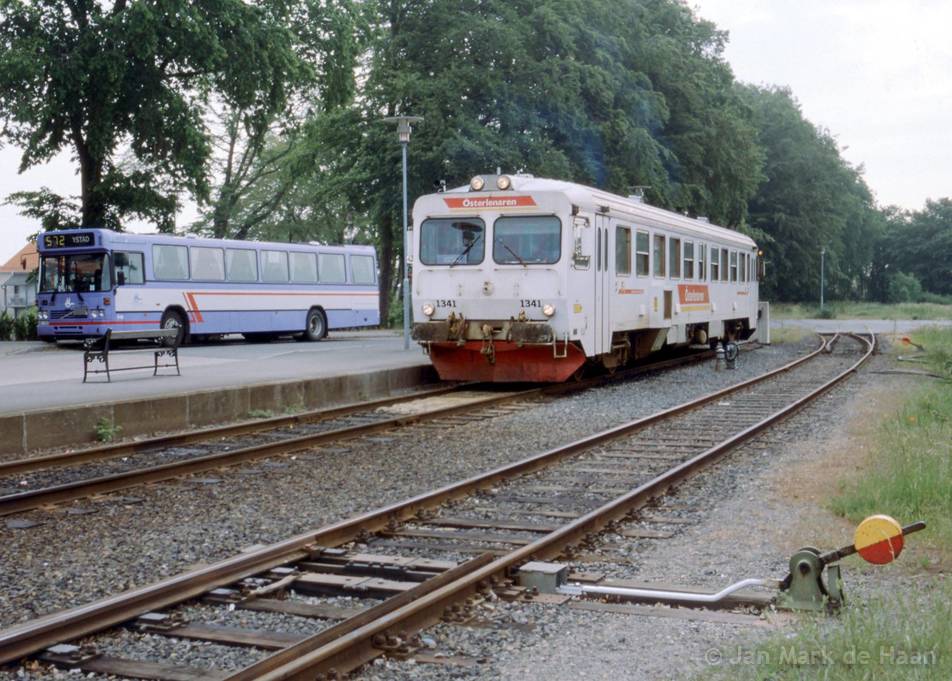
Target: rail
(71, 491)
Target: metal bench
(163, 344)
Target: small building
(18, 281)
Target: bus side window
(363, 270)
(330, 268)
(130, 268)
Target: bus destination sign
(69, 240)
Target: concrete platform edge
(72, 426)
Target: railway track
(41, 481)
(412, 564)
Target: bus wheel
(172, 319)
(316, 327)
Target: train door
(603, 286)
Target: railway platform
(44, 403)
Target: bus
(92, 280)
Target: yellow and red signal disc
(878, 539)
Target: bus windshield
(527, 240)
(79, 273)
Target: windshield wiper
(466, 250)
(514, 254)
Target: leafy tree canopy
(811, 199)
(101, 77)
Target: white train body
(529, 281)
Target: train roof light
(477, 183)
(503, 182)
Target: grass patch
(852, 310)
(910, 471)
(896, 636)
(107, 430)
(789, 334)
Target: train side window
(702, 262)
(623, 250)
(733, 265)
(742, 267)
(715, 264)
(580, 260)
(689, 260)
(642, 253)
(658, 255)
(675, 258)
(723, 264)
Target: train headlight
(548, 310)
(477, 183)
(43, 315)
(96, 314)
(428, 309)
(503, 182)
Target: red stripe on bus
(100, 323)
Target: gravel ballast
(158, 531)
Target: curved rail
(34, 636)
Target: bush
(6, 326)
(903, 288)
(24, 326)
(935, 298)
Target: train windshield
(535, 240)
(79, 273)
(452, 241)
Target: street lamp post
(822, 275)
(403, 133)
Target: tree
(919, 243)
(811, 199)
(100, 77)
(607, 93)
(714, 163)
(256, 152)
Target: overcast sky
(876, 73)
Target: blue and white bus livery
(92, 280)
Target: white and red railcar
(517, 278)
